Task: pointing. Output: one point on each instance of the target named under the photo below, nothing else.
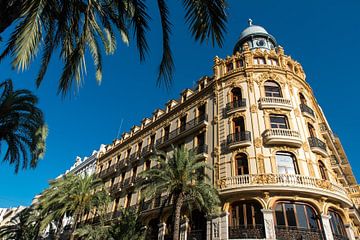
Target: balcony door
(238, 125)
(236, 95)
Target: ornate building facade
(280, 171)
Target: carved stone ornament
(297, 112)
(323, 184)
(253, 108)
(258, 142)
(270, 76)
(306, 146)
(265, 179)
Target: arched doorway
(152, 230)
(197, 226)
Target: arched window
(241, 164)
(272, 89)
(296, 215)
(312, 131)
(337, 224)
(302, 98)
(323, 170)
(286, 163)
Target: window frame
(272, 89)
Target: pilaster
(269, 223)
(349, 232)
(327, 228)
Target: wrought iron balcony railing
(239, 137)
(241, 103)
(306, 109)
(315, 142)
(189, 125)
(289, 233)
(247, 232)
(200, 149)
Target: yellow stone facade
(280, 171)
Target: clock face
(260, 43)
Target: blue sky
(322, 35)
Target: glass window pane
(301, 217)
(241, 214)
(290, 214)
(280, 219)
(312, 218)
(285, 164)
(249, 214)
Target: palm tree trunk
(178, 205)
(76, 218)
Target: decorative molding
(258, 142)
(253, 108)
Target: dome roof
(254, 33)
(253, 30)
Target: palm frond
(206, 20)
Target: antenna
(122, 120)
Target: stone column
(269, 223)
(162, 229)
(349, 232)
(327, 228)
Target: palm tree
(70, 196)
(20, 227)
(75, 26)
(22, 127)
(182, 178)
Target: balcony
(279, 136)
(275, 102)
(284, 182)
(147, 150)
(107, 172)
(289, 233)
(307, 111)
(318, 146)
(240, 139)
(201, 151)
(247, 232)
(235, 106)
(181, 131)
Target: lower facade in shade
(280, 171)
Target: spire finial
(250, 21)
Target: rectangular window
(166, 132)
(183, 123)
(279, 121)
(152, 140)
(201, 110)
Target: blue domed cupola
(256, 37)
